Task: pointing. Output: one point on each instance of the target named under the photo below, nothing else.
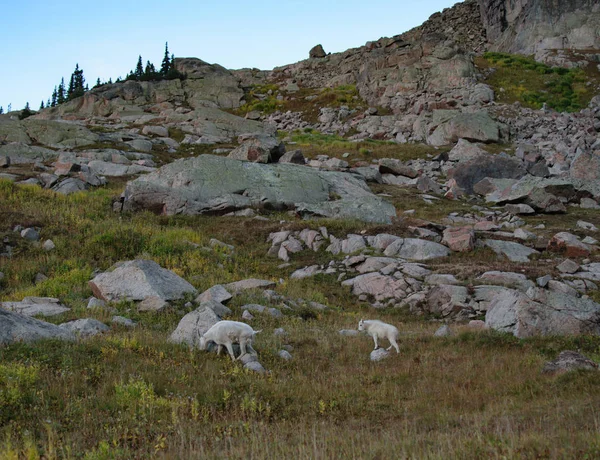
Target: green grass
(132, 394)
(313, 143)
(521, 78)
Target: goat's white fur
(226, 333)
(378, 329)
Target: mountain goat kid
(226, 333)
(379, 329)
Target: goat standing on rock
(379, 329)
(226, 333)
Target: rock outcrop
(215, 185)
(541, 27)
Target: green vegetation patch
(533, 84)
(313, 143)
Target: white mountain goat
(226, 333)
(378, 329)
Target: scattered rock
(139, 279)
(16, 328)
(217, 293)
(515, 252)
(317, 52)
(193, 325)
(152, 303)
(34, 306)
(569, 361)
(568, 266)
(123, 321)
(30, 234)
(250, 283)
(379, 355)
(459, 239)
(443, 331)
(568, 245)
(284, 354)
(48, 245)
(85, 328)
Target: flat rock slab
(209, 184)
(250, 283)
(139, 279)
(15, 328)
(34, 306)
(217, 293)
(416, 249)
(569, 361)
(515, 252)
(85, 328)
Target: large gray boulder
(416, 249)
(138, 280)
(468, 173)
(515, 252)
(210, 184)
(16, 328)
(542, 312)
(193, 325)
(474, 127)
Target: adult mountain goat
(378, 329)
(226, 333)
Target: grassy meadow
(132, 394)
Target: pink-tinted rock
(568, 245)
(459, 239)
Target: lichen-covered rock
(209, 184)
(15, 328)
(139, 279)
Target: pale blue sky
(43, 40)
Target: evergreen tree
(76, 85)
(1, 110)
(150, 72)
(42, 105)
(110, 82)
(26, 112)
(48, 103)
(98, 83)
(9, 109)
(139, 69)
(166, 62)
(54, 97)
(60, 95)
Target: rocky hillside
(421, 180)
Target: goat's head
(361, 325)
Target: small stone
(284, 354)
(123, 321)
(568, 266)
(589, 240)
(587, 226)
(348, 332)
(542, 281)
(48, 245)
(247, 315)
(255, 366)
(443, 331)
(96, 303)
(279, 331)
(379, 354)
(569, 361)
(477, 324)
(152, 303)
(30, 234)
(40, 278)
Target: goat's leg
(375, 340)
(230, 350)
(251, 349)
(393, 344)
(242, 348)
(219, 349)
